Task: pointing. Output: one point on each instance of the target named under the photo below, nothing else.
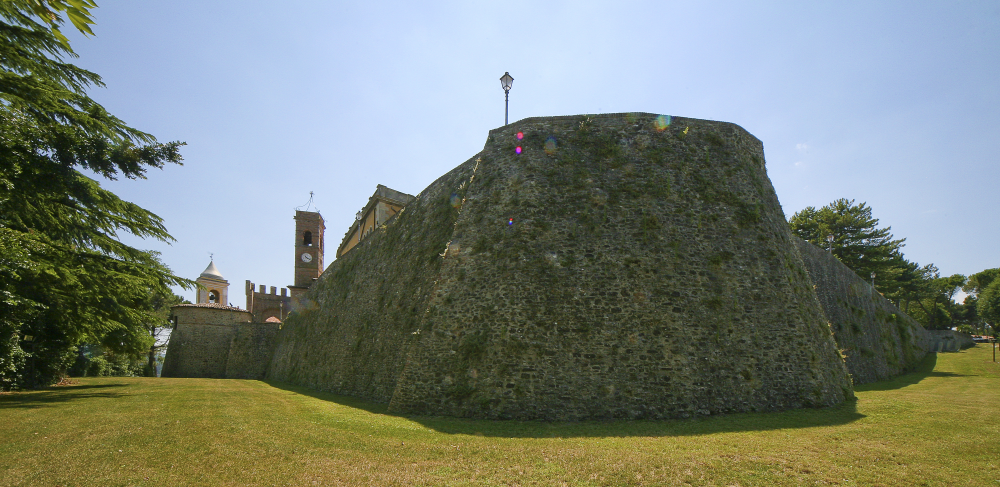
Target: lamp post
(829, 239)
(505, 82)
(873, 279)
(993, 340)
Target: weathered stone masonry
(878, 340)
(621, 266)
(215, 341)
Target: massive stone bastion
(583, 267)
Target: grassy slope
(931, 427)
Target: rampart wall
(216, 341)
(949, 341)
(351, 331)
(878, 340)
(619, 266)
(250, 350)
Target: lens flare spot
(550, 145)
(456, 200)
(517, 149)
(510, 221)
(520, 135)
(662, 122)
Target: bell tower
(309, 241)
(212, 287)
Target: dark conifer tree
(857, 241)
(65, 277)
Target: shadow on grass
(56, 395)
(725, 423)
(923, 370)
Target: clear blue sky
(896, 104)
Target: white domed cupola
(212, 287)
(212, 272)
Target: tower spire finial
(308, 204)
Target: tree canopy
(985, 287)
(857, 240)
(65, 276)
(158, 328)
(979, 281)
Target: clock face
(307, 257)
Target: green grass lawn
(938, 426)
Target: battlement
(266, 303)
(263, 289)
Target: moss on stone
(645, 273)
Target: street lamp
(992, 339)
(873, 279)
(505, 81)
(829, 239)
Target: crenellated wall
(619, 266)
(263, 304)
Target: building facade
(383, 205)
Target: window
(307, 238)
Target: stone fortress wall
(619, 266)
(355, 324)
(250, 350)
(216, 341)
(877, 340)
(949, 341)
